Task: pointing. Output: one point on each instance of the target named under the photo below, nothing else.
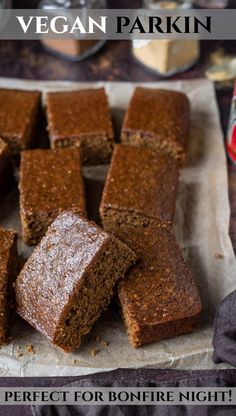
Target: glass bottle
(73, 49)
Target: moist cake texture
(159, 119)
(81, 118)
(73, 271)
(159, 298)
(8, 270)
(50, 182)
(140, 188)
(19, 114)
(6, 167)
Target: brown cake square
(159, 298)
(6, 168)
(140, 188)
(73, 271)
(19, 113)
(81, 118)
(8, 271)
(50, 182)
(159, 119)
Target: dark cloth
(224, 337)
(147, 378)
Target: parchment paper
(201, 227)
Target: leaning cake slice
(159, 298)
(69, 279)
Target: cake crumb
(104, 343)
(98, 338)
(101, 341)
(75, 362)
(19, 353)
(219, 256)
(30, 349)
(94, 352)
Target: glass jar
(5, 4)
(211, 4)
(4, 13)
(166, 57)
(167, 4)
(73, 49)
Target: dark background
(114, 63)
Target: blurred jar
(5, 4)
(167, 4)
(166, 57)
(211, 4)
(73, 49)
(4, 13)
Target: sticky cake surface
(18, 113)
(161, 278)
(55, 268)
(67, 271)
(141, 181)
(160, 291)
(162, 112)
(51, 180)
(75, 113)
